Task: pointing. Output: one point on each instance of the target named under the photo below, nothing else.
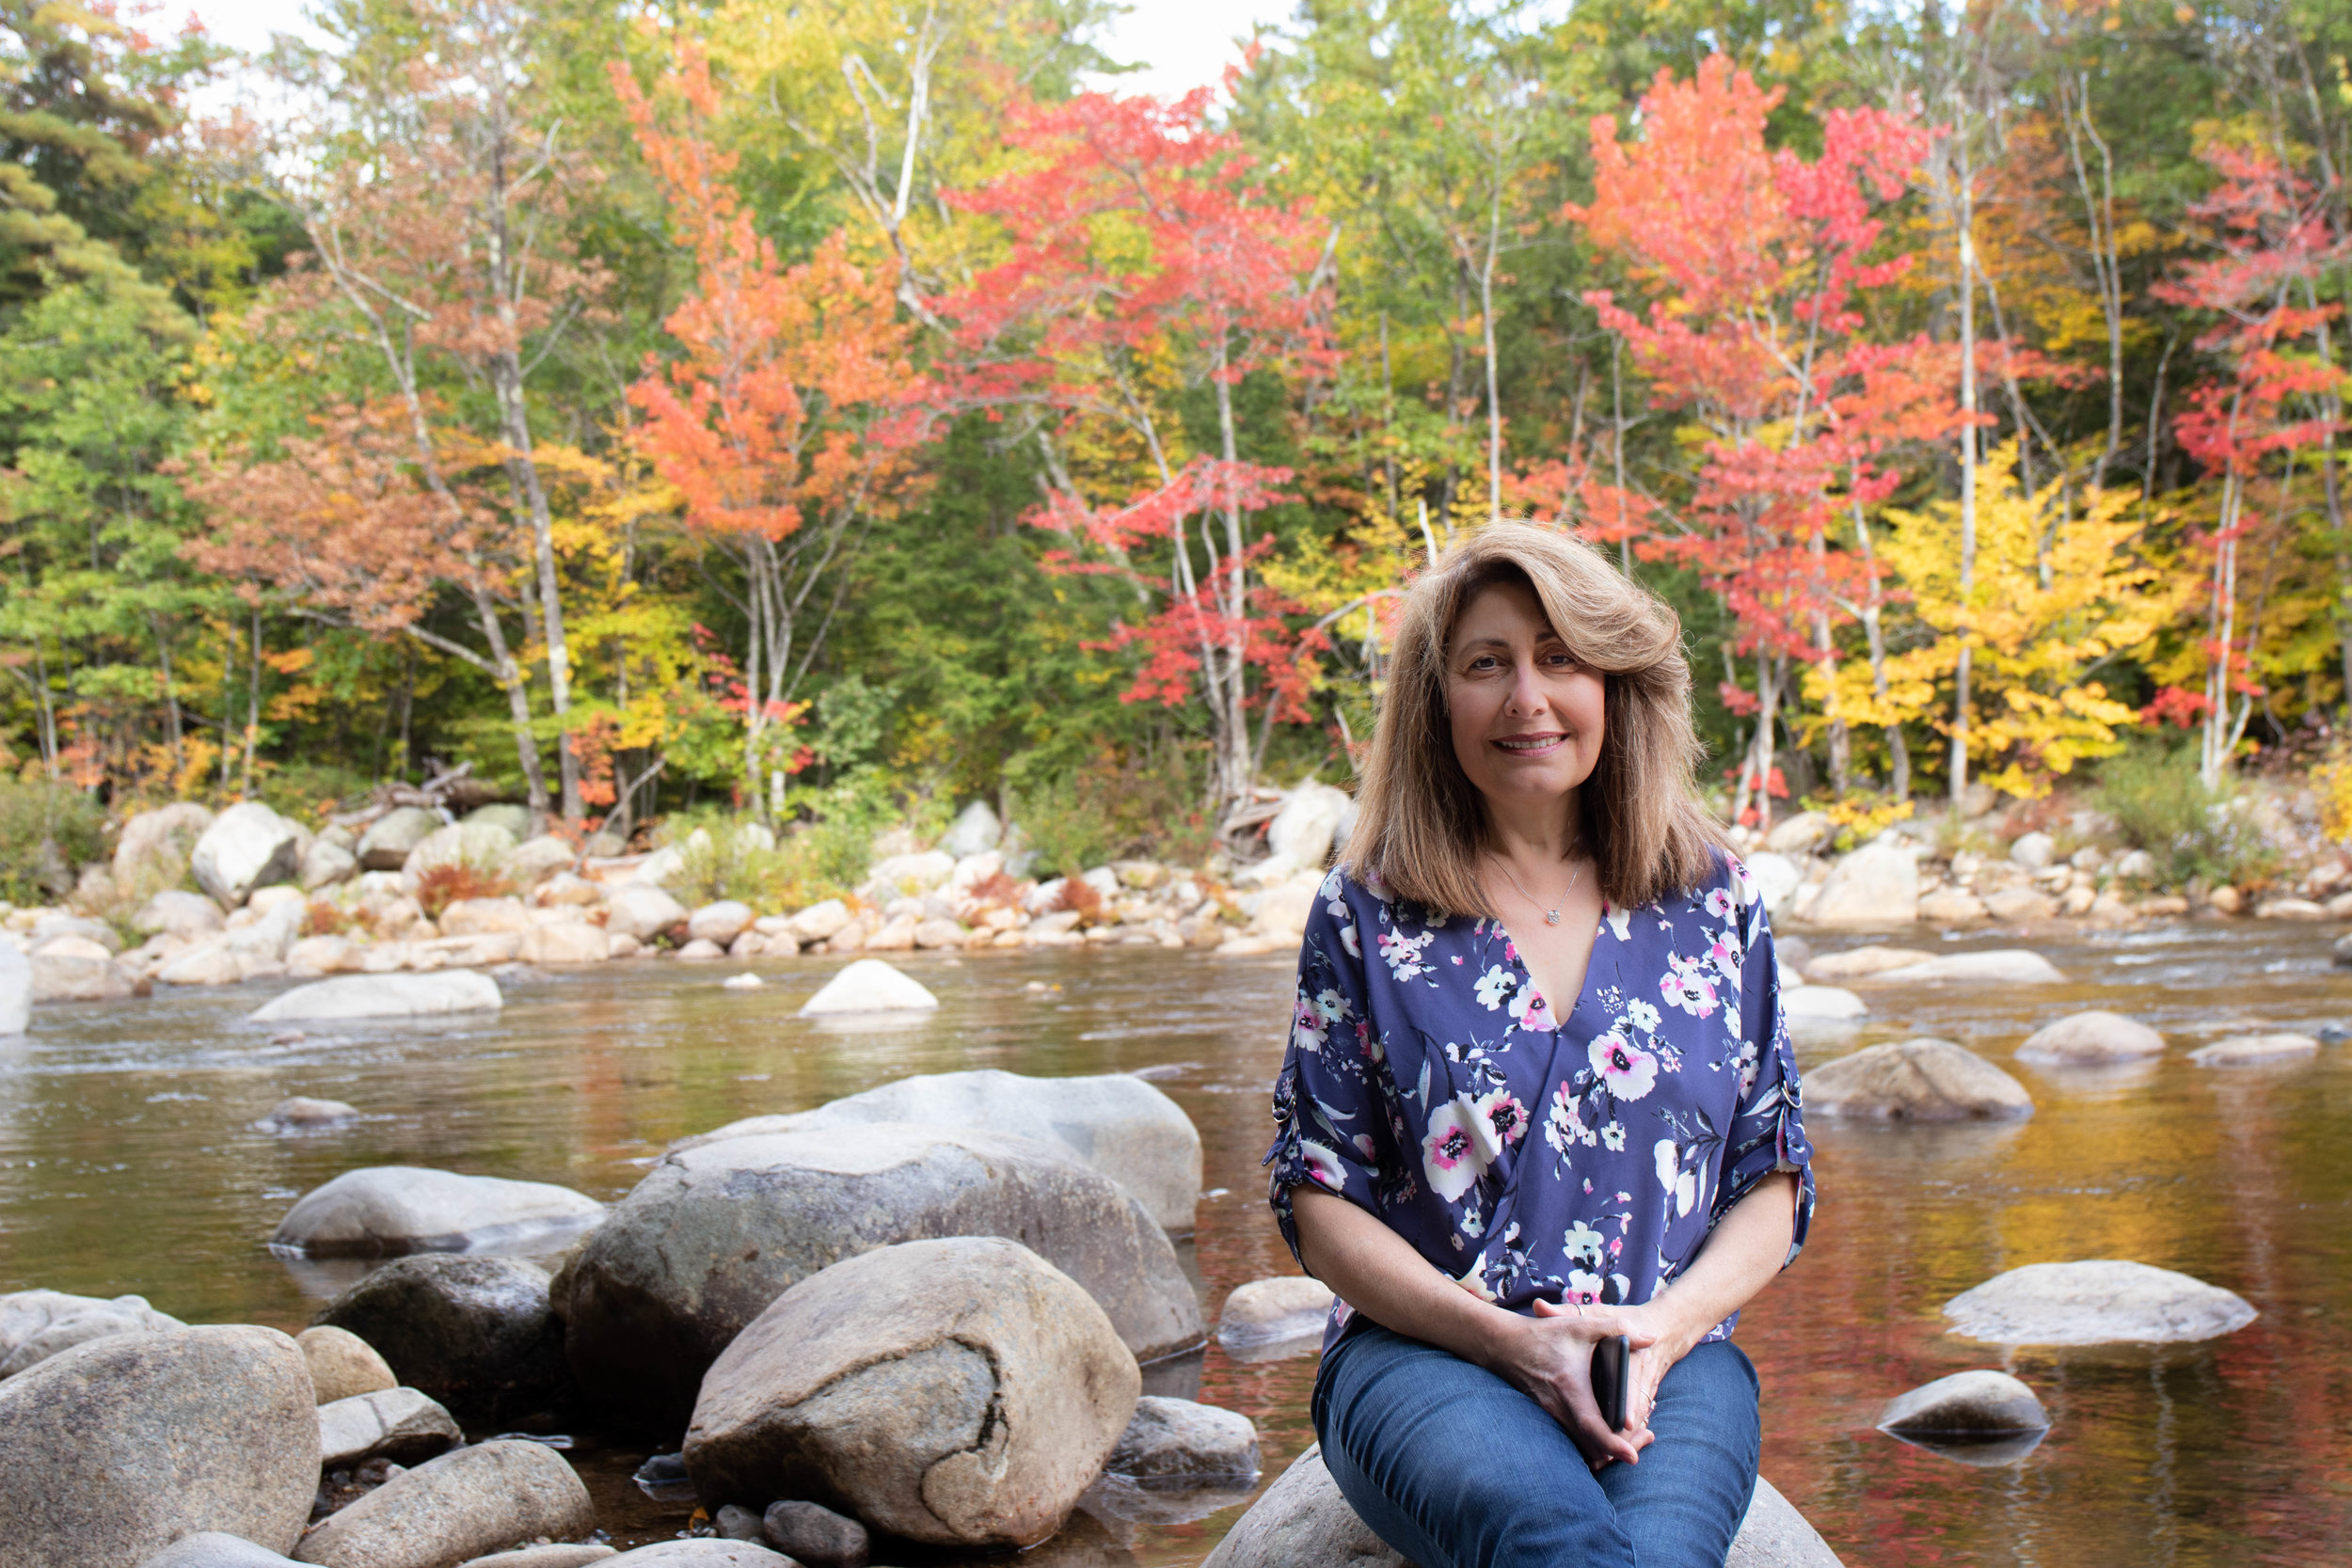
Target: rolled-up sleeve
(1767, 1132)
(1331, 1123)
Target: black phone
(1612, 1359)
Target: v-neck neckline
(1519, 960)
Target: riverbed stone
(1776, 878)
(642, 910)
(1971, 1406)
(1860, 963)
(301, 1114)
(713, 1234)
(37, 1325)
(476, 917)
(178, 913)
(975, 831)
(474, 1332)
(1800, 834)
(213, 1549)
(16, 989)
(820, 921)
(2089, 1040)
(1875, 886)
(326, 864)
(1775, 1535)
(2094, 1301)
(2005, 966)
(342, 1365)
(1301, 831)
(703, 1553)
(566, 941)
(351, 996)
(156, 845)
(402, 1425)
(73, 970)
(386, 1210)
(124, 1445)
(1114, 1122)
(568, 1554)
(2255, 1050)
(721, 922)
(2019, 903)
(484, 846)
(962, 1391)
(1821, 1005)
(247, 846)
(1272, 1311)
(212, 963)
(813, 1534)
(393, 836)
(1953, 906)
(1915, 1080)
(1171, 1439)
(869, 986)
(462, 1505)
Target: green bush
(46, 830)
(2162, 805)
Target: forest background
(832, 413)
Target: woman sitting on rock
(1492, 1183)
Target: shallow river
(130, 1161)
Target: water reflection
(131, 1161)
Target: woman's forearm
(1379, 1273)
(1739, 1256)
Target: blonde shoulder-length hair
(1421, 823)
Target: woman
(1492, 1182)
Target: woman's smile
(1532, 745)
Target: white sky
(1181, 43)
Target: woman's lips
(1531, 745)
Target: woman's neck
(1535, 835)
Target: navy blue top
(1530, 1158)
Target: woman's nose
(1527, 696)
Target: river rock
(155, 845)
(1272, 1311)
(126, 1444)
(2019, 903)
(975, 831)
(432, 995)
(175, 913)
(814, 1534)
(535, 860)
(720, 923)
(1114, 1122)
(642, 910)
(37, 1325)
(1301, 831)
(507, 815)
(701, 1554)
(1775, 1535)
(1953, 906)
(712, 1235)
(484, 846)
(247, 846)
(566, 941)
(2094, 1302)
(212, 1549)
(959, 1392)
(819, 922)
(301, 1114)
(384, 1211)
(1875, 885)
(1915, 1080)
(474, 1332)
(1821, 1005)
(2091, 1039)
(2007, 966)
(869, 986)
(1972, 1406)
(342, 1365)
(392, 837)
(478, 917)
(1776, 878)
(402, 1425)
(1860, 963)
(555, 1555)
(326, 864)
(1171, 1439)
(73, 970)
(1800, 834)
(459, 1506)
(16, 989)
(2253, 1050)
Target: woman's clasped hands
(1550, 1359)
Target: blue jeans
(1455, 1468)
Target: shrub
(45, 832)
(2162, 805)
(455, 881)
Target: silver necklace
(1552, 917)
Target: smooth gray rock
(1301, 831)
(399, 1424)
(734, 1522)
(245, 847)
(2096, 1301)
(869, 986)
(1966, 1407)
(16, 989)
(514, 819)
(1169, 1439)
(1918, 1080)
(975, 831)
(1114, 1122)
(1775, 1535)
(641, 910)
(37, 1325)
(326, 863)
(1280, 1310)
(212, 1549)
(2091, 1039)
(813, 1534)
(959, 1392)
(342, 1365)
(1878, 885)
(700, 1554)
(2238, 1050)
(474, 1332)
(60, 974)
(2004, 966)
(484, 846)
(121, 1446)
(712, 1235)
(156, 845)
(434, 995)
(460, 1506)
(565, 1555)
(178, 913)
(721, 922)
(384, 1211)
(299, 1113)
(390, 838)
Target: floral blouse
(1529, 1157)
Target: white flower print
(1685, 985)
(1403, 954)
(1563, 1128)
(1584, 1244)
(1324, 1166)
(1681, 1185)
(1620, 922)
(1530, 1011)
(1629, 1072)
(1643, 1017)
(1494, 986)
(1474, 1280)
(1309, 1027)
(1583, 1287)
(1718, 903)
(1450, 1155)
(1504, 1117)
(1614, 1136)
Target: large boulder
(342, 1365)
(537, 859)
(1878, 885)
(37, 1325)
(483, 846)
(566, 942)
(155, 845)
(434, 995)
(1301, 831)
(642, 910)
(961, 1392)
(513, 820)
(869, 986)
(2091, 1039)
(1860, 963)
(1966, 1407)
(721, 922)
(479, 917)
(386, 1210)
(399, 1424)
(211, 1548)
(458, 1507)
(2236, 1050)
(1775, 1535)
(975, 831)
(1114, 1122)
(2004, 966)
(2097, 1301)
(328, 862)
(820, 921)
(124, 1445)
(247, 846)
(16, 989)
(712, 1235)
(1286, 1310)
(1915, 1080)
(473, 1332)
(175, 912)
(392, 837)
(1776, 877)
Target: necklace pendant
(1552, 917)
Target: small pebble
(737, 1522)
(745, 981)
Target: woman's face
(1526, 718)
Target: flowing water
(130, 1161)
